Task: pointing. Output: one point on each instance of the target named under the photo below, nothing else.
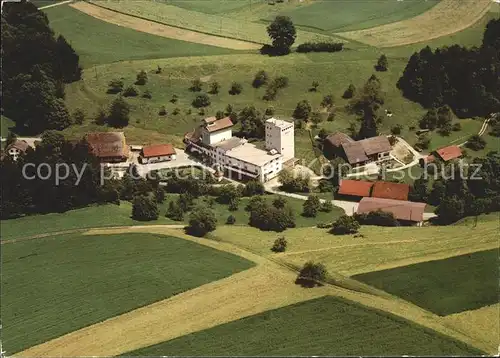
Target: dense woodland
(35, 67)
(466, 79)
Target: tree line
(466, 79)
(35, 67)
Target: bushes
(115, 86)
(175, 211)
(379, 218)
(293, 184)
(260, 79)
(320, 47)
(214, 87)
(196, 85)
(147, 94)
(230, 220)
(327, 101)
(313, 273)
(279, 244)
(202, 220)
(235, 89)
(382, 64)
(302, 110)
(162, 111)
(254, 187)
(201, 100)
(349, 92)
(142, 78)
(345, 225)
(311, 206)
(326, 207)
(144, 209)
(268, 218)
(130, 91)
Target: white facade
(163, 158)
(211, 138)
(239, 157)
(281, 137)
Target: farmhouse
(332, 145)
(157, 153)
(407, 212)
(109, 147)
(357, 152)
(213, 139)
(16, 149)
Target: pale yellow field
(381, 248)
(267, 286)
(482, 324)
(446, 18)
(217, 25)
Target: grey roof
(230, 143)
(338, 138)
(376, 145)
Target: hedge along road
(154, 28)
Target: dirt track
(446, 18)
(154, 28)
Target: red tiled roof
(213, 125)
(158, 150)
(388, 190)
(355, 187)
(108, 144)
(449, 153)
(402, 210)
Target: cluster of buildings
(357, 153)
(214, 141)
(384, 196)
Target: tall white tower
(281, 137)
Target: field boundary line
(56, 4)
(166, 24)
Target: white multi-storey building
(214, 140)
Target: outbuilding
(157, 153)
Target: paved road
(56, 4)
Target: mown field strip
(262, 288)
(446, 18)
(154, 28)
(483, 324)
(223, 26)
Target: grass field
(445, 18)
(324, 326)
(444, 287)
(346, 15)
(223, 26)
(380, 248)
(119, 215)
(111, 43)
(5, 125)
(52, 286)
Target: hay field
(54, 285)
(381, 248)
(452, 285)
(483, 324)
(221, 26)
(163, 30)
(148, 325)
(446, 18)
